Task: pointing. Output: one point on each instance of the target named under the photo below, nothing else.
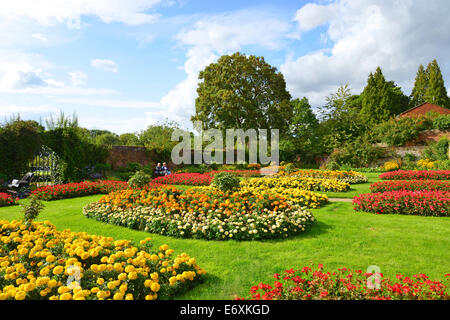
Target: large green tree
(240, 91)
(381, 99)
(420, 87)
(19, 142)
(436, 92)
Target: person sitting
(165, 169)
(158, 170)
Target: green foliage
(381, 99)
(75, 150)
(437, 150)
(107, 139)
(435, 92)
(158, 137)
(240, 91)
(357, 153)
(226, 181)
(442, 165)
(139, 180)
(396, 132)
(417, 96)
(341, 119)
(442, 122)
(290, 167)
(19, 142)
(32, 209)
(129, 139)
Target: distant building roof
(423, 109)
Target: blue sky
(124, 64)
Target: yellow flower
(155, 287)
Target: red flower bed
(7, 200)
(413, 185)
(425, 203)
(242, 173)
(80, 189)
(416, 175)
(191, 179)
(345, 284)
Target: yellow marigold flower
(20, 295)
(155, 287)
(132, 275)
(65, 296)
(100, 281)
(122, 276)
(50, 258)
(154, 276)
(129, 296)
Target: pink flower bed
(191, 179)
(7, 200)
(413, 185)
(346, 284)
(416, 175)
(424, 202)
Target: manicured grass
(339, 238)
(356, 189)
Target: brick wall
(120, 156)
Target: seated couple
(161, 170)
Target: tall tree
(240, 91)
(436, 92)
(420, 87)
(381, 99)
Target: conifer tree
(417, 96)
(381, 99)
(436, 92)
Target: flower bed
(72, 190)
(7, 200)
(42, 263)
(345, 284)
(351, 177)
(425, 203)
(191, 179)
(295, 182)
(206, 213)
(413, 185)
(241, 173)
(416, 175)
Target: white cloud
(105, 64)
(396, 35)
(313, 15)
(77, 78)
(17, 76)
(215, 35)
(111, 103)
(40, 37)
(117, 126)
(7, 110)
(51, 12)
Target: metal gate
(44, 167)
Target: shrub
(7, 200)
(437, 150)
(226, 181)
(442, 122)
(424, 202)
(442, 164)
(413, 185)
(31, 210)
(347, 284)
(396, 132)
(191, 179)
(416, 175)
(425, 163)
(64, 265)
(139, 180)
(392, 165)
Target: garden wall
(120, 156)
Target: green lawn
(339, 238)
(356, 189)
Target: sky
(122, 65)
